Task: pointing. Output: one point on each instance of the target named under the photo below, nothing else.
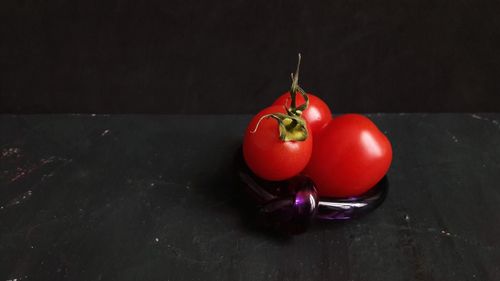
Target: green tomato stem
(292, 126)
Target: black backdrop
(235, 56)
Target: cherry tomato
(317, 114)
(267, 155)
(350, 156)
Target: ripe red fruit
(269, 156)
(349, 156)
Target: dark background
(235, 56)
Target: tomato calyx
(292, 126)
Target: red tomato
(349, 157)
(317, 114)
(267, 155)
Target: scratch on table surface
(11, 151)
(18, 199)
(496, 123)
(25, 169)
(18, 278)
(21, 172)
(453, 137)
(475, 116)
(46, 176)
(180, 254)
(442, 232)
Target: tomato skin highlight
(317, 114)
(349, 157)
(267, 155)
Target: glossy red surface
(267, 155)
(350, 156)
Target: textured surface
(232, 56)
(154, 198)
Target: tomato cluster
(344, 156)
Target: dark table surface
(136, 197)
